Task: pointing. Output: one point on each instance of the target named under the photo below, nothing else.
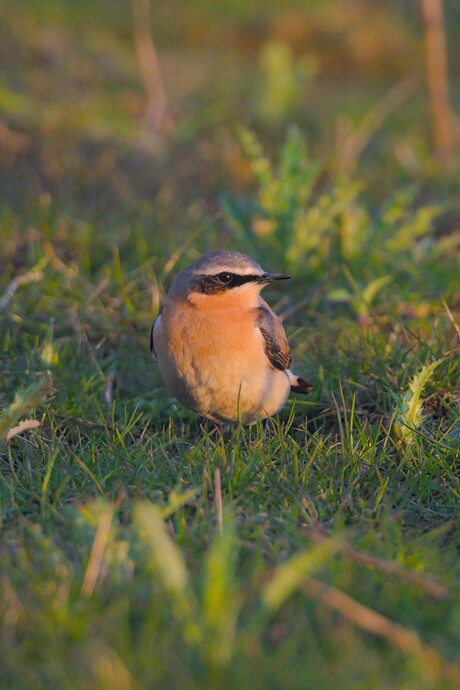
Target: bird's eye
(224, 277)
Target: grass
(137, 552)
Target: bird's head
(224, 274)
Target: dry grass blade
(110, 387)
(437, 78)
(25, 425)
(31, 277)
(352, 142)
(59, 265)
(407, 641)
(158, 119)
(451, 318)
(97, 553)
(310, 298)
(428, 585)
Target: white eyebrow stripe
(235, 271)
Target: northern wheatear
(221, 350)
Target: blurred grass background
(301, 133)
(72, 86)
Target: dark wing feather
(276, 344)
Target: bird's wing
(276, 344)
(152, 342)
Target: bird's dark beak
(271, 277)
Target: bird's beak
(271, 277)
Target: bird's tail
(299, 385)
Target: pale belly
(220, 373)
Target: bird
(221, 350)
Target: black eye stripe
(237, 280)
(211, 284)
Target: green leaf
(176, 501)
(49, 354)
(409, 416)
(339, 295)
(371, 290)
(166, 559)
(289, 575)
